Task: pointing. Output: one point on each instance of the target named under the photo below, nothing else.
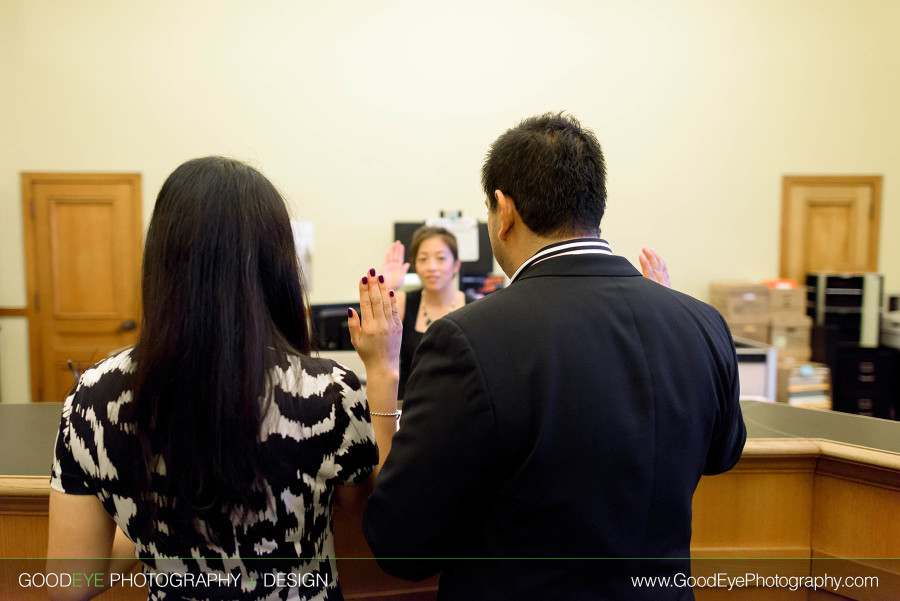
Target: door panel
(830, 237)
(84, 272)
(829, 224)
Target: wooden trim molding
(34, 333)
(24, 495)
(13, 312)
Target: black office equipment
(329, 323)
(852, 302)
(865, 380)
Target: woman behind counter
(217, 444)
(434, 253)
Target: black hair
(553, 169)
(221, 295)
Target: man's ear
(506, 213)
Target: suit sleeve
(427, 496)
(730, 434)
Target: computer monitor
(330, 324)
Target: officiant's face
(435, 264)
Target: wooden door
(829, 224)
(83, 241)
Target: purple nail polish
(365, 280)
(372, 272)
(391, 293)
(349, 312)
(381, 279)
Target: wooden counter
(802, 507)
(791, 507)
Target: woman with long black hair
(214, 448)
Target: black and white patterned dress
(318, 419)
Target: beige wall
(364, 113)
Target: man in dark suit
(554, 432)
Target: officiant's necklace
(428, 320)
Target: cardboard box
(795, 353)
(740, 302)
(787, 301)
(758, 331)
(790, 331)
(803, 383)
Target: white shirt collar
(575, 246)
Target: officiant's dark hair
(424, 233)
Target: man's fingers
(646, 268)
(656, 260)
(654, 267)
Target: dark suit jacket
(567, 416)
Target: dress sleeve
(358, 453)
(66, 475)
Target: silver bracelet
(395, 414)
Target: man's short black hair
(554, 171)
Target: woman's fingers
(376, 331)
(365, 301)
(394, 253)
(385, 299)
(375, 295)
(377, 303)
(395, 309)
(353, 324)
(394, 269)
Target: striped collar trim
(577, 246)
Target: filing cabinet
(866, 381)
